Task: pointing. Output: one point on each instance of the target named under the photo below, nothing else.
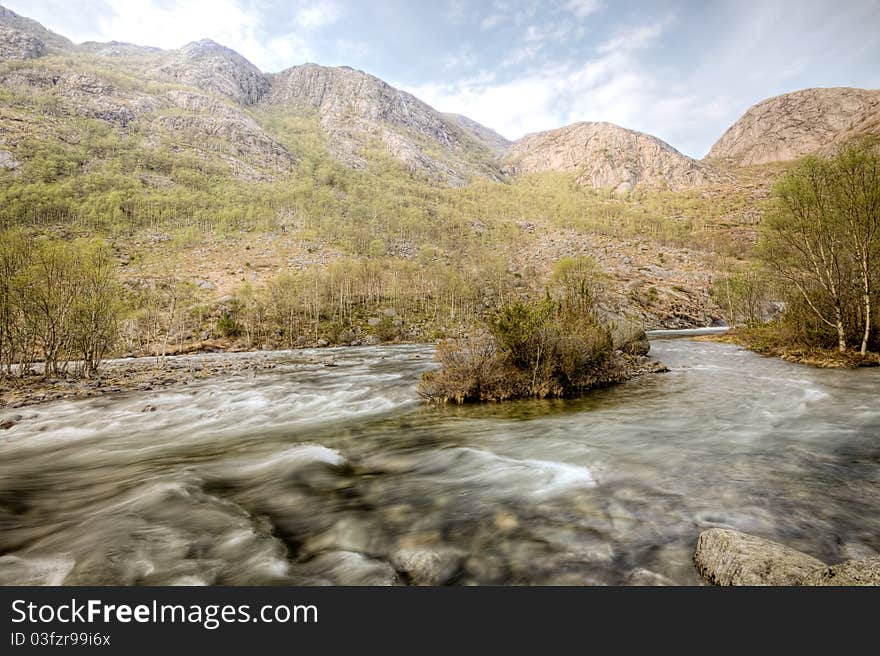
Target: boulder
(728, 557)
(427, 566)
(851, 572)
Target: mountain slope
(486, 136)
(29, 27)
(792, 125)
(355, 109)
(216, 69)
(606, 156)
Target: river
(308, 474)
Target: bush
(227, 326)
(555, 347)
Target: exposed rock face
(493, 141)
(214, 125)
(728, 557)
(355, 108)
(28, 26)
(216, 69)
(82, 94)
(7, 161)
(118, 49)
(19, 45)
(792, 125)
(606, 156)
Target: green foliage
(823, 244)
(554, 347)
(227, 326)
(60, 302)
(744, 296)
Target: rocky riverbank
(728, 557)
(145, 374)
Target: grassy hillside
(216, 225)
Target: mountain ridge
(788, 126)
(358, 111)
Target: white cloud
(492, 20)
(237, 24)
(318, 14)
(615, 86)
(582, 8)
(635, 38)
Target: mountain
(792, 125)
(30, 28)
(216, 69)
(205, 99)
(355, 109)
(607, 156)
(486, 136)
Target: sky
(682, 70)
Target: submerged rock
(646, 578)
(728, 557)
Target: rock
(490, 139)
(9, 422)
(787, 127)
(607, 156)
(30, 27)
(645, 577)
(149, 408)
(18, 45)
(851, 572)
(374, 321)
(322, 343)
(7, 161)
(355, 109)
(729, 557)
(216, 69)
(371, 340)
(428, 566)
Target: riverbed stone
(729, 557)
(851, 572)
(428, 566)
(646, 578)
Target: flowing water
(338, 475)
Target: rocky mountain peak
(29, 27)
(792, 125)
(217, 69)
(354, 107)
(607, 156)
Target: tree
(743, 296)
(824, 238)
(857, 200)
(97, 307)
(803, 242)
